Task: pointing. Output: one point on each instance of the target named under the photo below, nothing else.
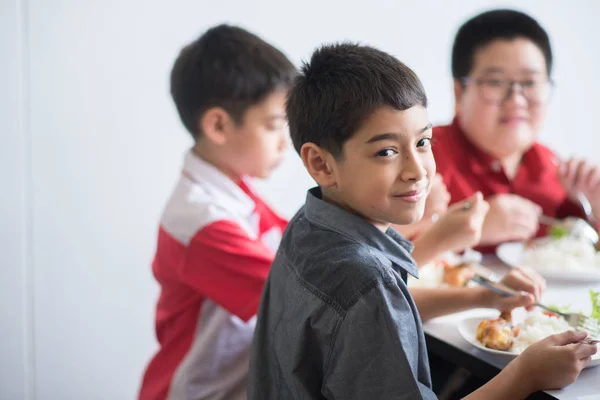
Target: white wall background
(91, 146)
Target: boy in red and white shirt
(217, 238)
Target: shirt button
(496, 167)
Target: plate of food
(450, 271)
(503, 336)
(556, 258)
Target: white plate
(513, 253)
(468, 328)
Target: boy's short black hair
(340, 87)
(491, 25)
(226, 67)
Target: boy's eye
(424, 142)
(275, 127)
(387, 153)
(528, 84)
(494, 82)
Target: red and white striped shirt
(216, 242)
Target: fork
(589, 215)
(581, 198)
(575, 320)
(587, 207)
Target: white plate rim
(467, 329)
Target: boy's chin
(408, 218)
(262, 174)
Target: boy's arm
(437, 302)
(371, 349)
(225, 265)
(510, 383)
(427, 248)
(551, 363)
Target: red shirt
(216, 242)
(467, 169)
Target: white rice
(536, 327)
(566, 254)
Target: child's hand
(578, 175)
(554, 362)
(437, 200)
(528, 282)
(460, 227)
(511, 217)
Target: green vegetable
(558, 232)
(562, 309)
(595, 304)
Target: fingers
(520, 280)
(509, 303)
(525, 228)
(473, 204)
(446, 195)
(477, 196)
(475, 209)
(529, 208)
(476, 205)
(581, 175)
(583, 172)
(437, 185)
(534, 277)
(567, 171)
(521, 229)
(523, 218)
(438, 198)
(583, 350)
(593, 179)
(565, 338)
(519, 211)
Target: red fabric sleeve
(227, 266)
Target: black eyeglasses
(496, 91)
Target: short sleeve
(226, 265)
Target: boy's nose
(515, 95)
(413, 169)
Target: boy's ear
(458, 93)
(214, 124)
(319, 163)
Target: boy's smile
(412, 196)
(383, 173)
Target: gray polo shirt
(336, 319)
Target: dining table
(445, 341)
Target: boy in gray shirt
(336, 319)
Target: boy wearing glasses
(501, 64)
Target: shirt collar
(393, 245)
(229, 194)
(482, 163)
